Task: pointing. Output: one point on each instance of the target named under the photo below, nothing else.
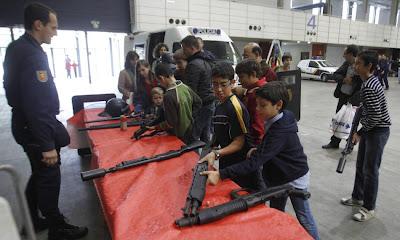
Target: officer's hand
(50, 158)
(213, 177)
(151, 128)
(210, 158)
(356, 138)
(250, 152)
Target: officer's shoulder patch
(42, 76)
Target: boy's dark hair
(369, 57)
(190, 41)
(273, 92)
(163, 69)
(248, 66)
(353, 49)
(36, 11)
(223, 70)
(286, 57)
(131, 55)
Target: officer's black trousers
(43, 189)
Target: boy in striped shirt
(372, 137)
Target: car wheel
(324, 77)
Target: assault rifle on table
(197, 191)
(111, 125)
(101, 172)
(144, 127)
(240, 204)
(137, 115)
(349, 145)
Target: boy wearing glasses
(231, 126)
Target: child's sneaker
(351, 202)
(364, 215)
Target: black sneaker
(330, 146)
(67, 231)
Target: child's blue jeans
(302, 210)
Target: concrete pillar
(393, 12)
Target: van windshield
(223, 51)
(326, 64)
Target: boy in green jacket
(180, 104)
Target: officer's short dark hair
(286, 57)
(163, 69)
(273, 92)
(369, 57)
(36, 11)
(223, 70)
(248, 66)
(352, 49)
(190, 41)
(256, 50)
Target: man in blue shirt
(32, 94)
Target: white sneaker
(364, 215)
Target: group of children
(255, 139)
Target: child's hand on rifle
(356, 138)
(213, 177)
(210, 158)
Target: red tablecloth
(143, 202)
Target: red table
(143, 202)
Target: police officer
(32, 94)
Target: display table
(143, 202)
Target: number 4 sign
(311, 22)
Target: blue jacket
(32, 94)
(280, 153)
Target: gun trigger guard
(235, 193)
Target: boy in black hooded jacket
(280, 153)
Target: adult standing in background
(68, 66)
(198, 78)
(127, 76)
(32, 94)
(347, 88)
(158, 51)
(254, 52)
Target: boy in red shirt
(248, 71)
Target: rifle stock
(101, 172)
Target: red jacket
(256, 122)
(269, 75)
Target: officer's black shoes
(40, 224)
(64, 230)
(330, 146)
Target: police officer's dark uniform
(231, 119)
(32, 94)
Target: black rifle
(197, 191)
(349, 145)
(101, 172)
(240, 205)
(111, 125)
(138, 115)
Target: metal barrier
(28, 226)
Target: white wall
(295, 50)
(334, 54)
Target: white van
(215, 40)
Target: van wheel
(324, 77)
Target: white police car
(316, 69)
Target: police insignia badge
(42, 76)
